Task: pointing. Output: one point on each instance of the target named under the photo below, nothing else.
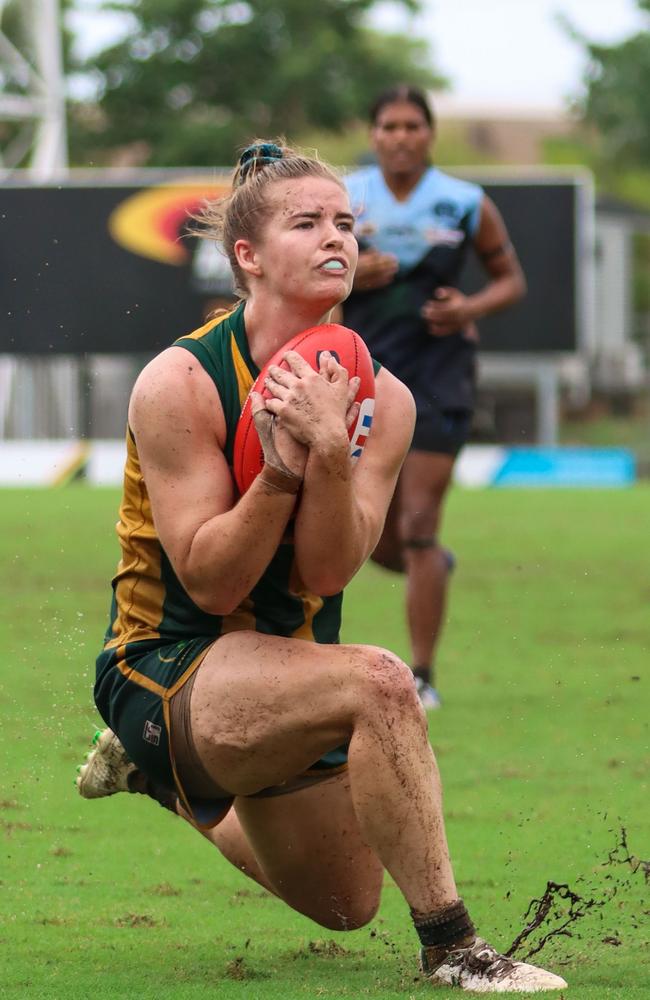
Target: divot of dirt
(9, 826)
(327, 949)
(237, 969)
(59, 851)
(137, 920)
(165, 889)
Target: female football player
(226, 692)
(415, 225)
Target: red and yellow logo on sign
(150, 222)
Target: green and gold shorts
(134, 689)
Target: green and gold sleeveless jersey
(149, 602)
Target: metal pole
(548, 405)
(50, 157)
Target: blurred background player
(222, 678)
(414, 226)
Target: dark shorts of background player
(440, 430)
(142, 691)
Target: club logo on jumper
(151, 733)
(447, 210)
(362, 428)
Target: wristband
(282, 482)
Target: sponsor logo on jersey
(444, 237)
(151, 733)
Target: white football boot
(481, 969)
(107, 768)
(429, 697)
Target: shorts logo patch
(151, 733)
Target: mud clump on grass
(549, 911)
(165, 889)
(324, 949)
(327, 949)
(10, 826)
(239, 970)
(236, 969)
(137, 920)
(59, 851)
(559, 910)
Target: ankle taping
(446, 928)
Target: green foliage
(351, 146)
(571, 150)
(542, 744)
(195, 79)
(629, 183)
(618, 81)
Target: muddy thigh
(265, 708)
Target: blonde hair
(243, 214)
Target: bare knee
(386, 682)
(348, 915)
(353, 917)
(419, 523)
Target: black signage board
(546, 226)
(105, 268)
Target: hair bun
(259, 154)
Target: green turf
(542, 743)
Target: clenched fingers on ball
(305, 402)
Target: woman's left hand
(313, 406)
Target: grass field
(543, 745)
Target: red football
(350, 351)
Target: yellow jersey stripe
(139, 589)
(202, 330)
(244, 377)
(142, 680)
(242, 619)
(311, 605)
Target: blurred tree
(616, 102)
(194, 79)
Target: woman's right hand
(374, 270)
(293, 454)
